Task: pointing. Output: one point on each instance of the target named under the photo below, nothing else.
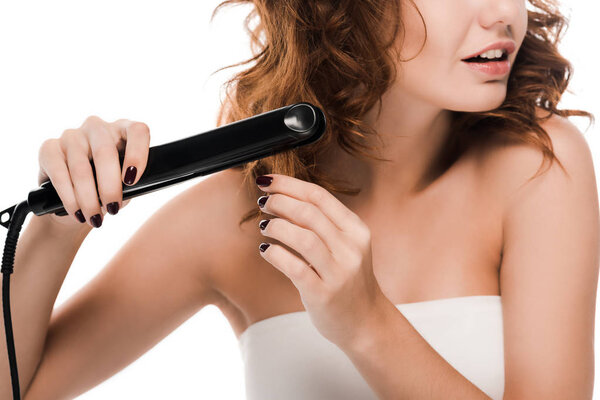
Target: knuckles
(47, 145)
(306, 213)
(310, 243)
(93, 120)
(316, 194)
(364, 234)
(68, 134)
(140, 127)
(105, 149)
(297, 269)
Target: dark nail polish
(264, 246)
(264, 180)
(130, 175)
(113, 208)
(79, 216)
(263, 224)
(262, 200)
(96, 221)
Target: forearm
(43, 256)
(398, 363)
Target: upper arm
(549, 270)
(154, 283)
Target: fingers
(76, 148)
(108, 170)
(137, 138)
(52, 166)
(67, 162)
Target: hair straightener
(227, 146)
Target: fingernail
(79, 216)
(263, 224)
(130, 175)
(264, 180)
(113, 207)
(262, 200)
(264, 246)
(96, 221)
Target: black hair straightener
(227, 146)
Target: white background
(62, 61)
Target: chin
(484, 102)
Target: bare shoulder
(508, 166)
(549, 268)
(216, 205)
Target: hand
(66, 162)
(334, 272)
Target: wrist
(373, 330)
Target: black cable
(8, 261)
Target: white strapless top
(285, 356)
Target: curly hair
(328, 55)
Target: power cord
(8, 260)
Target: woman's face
(457, 29)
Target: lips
(492, 67)
(495, 68)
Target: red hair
(329, 55)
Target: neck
(413, 133)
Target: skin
(415, 114)
(472, 208)
(413, 123)
(492, 236)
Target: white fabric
(285, 357)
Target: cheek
(521, 29)
(436, 75)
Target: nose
(501, 12)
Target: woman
(457, 269)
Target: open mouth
(480, 59)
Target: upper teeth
(492, 54)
